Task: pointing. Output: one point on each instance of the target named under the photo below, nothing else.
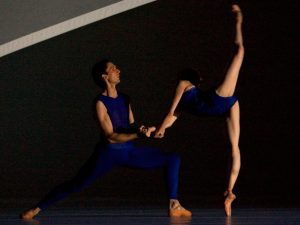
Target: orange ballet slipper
(29, 214)
(176, 210)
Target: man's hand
(147, 131)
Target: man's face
(112, 73)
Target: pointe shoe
(176, 210)
(29, 214)
(230, 197)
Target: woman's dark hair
(190, 75)
(98, 69)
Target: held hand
(147, 131)
(160, 133)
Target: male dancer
(117, 123)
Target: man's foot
(237, 10)
(229, 198)
(29, 214)
(176, 210)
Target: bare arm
(107, 127)
(131, 118)
(171, 117)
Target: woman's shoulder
(185, 85)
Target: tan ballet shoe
(29, 214)
(176, 210)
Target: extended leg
(95, 167)
(233, 124)
(227, 88)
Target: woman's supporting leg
(233, 124)
(227, 88)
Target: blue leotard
(118, 111)
(205, 103)
(108, 156)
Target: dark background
(48, 129)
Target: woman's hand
(160, 133)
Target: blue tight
(116, 155)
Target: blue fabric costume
(108, 156)
(205, 103)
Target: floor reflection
(156, 217)
(30, 222)
(180, 220)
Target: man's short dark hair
(98, 69)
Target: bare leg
(227, 88)
(233, 124)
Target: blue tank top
(206, 103)
(118, 111)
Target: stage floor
(79, 216)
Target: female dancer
(213, 103)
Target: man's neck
(111, 91)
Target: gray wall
(19, 18)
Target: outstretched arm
(171, 117)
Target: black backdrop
(47, 124)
